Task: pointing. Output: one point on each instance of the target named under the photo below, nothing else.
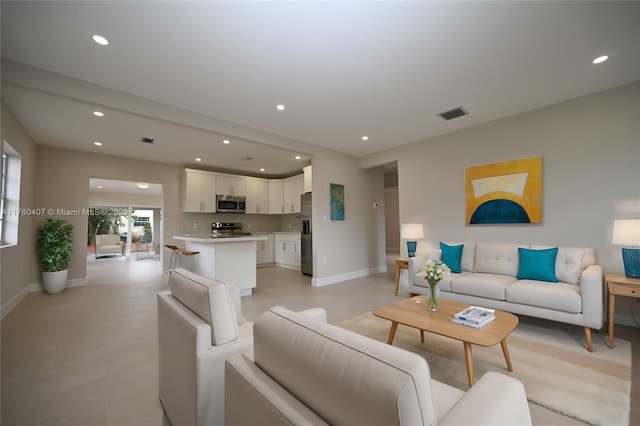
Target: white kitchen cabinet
(199, 192)
(308, 179)
(287, 251)
(231, 185)
(276, 196)
(265, 250)
(293, 187)
(257, 200)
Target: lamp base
(631, 260)
(411, 248)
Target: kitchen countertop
(205, 238)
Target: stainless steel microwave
(230, 204)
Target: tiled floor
(88, 356)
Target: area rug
(549, 358)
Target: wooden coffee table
(413, 312)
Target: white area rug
(549, 358)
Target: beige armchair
(200, 324)
(108, 244)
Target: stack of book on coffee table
(474, 316)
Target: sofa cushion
(537, 264)
(494, 258)
(570, 263)
(490, 286)
(210, 300)
(451, 256)
(343, 377)
(558, 297)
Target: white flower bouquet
(433, 273)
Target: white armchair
(200, 324)
(108, 244)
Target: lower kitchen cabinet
(265, 251)
(287, 250)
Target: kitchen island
(229, 259)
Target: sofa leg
(587, 335)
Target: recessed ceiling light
(298, 157)
(600, 59)
(226, 142)
(365, 138)
(99, 186)
(142, 185)
(100, 40)
(98, 114)
(198, 159)
(97, 143)
(262, 169)
(280, 107)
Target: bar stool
(175, 252)
(188, 259)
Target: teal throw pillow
(538, 265)
(451, 256)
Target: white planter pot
(54, 282)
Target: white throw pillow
(568, 263)
(210, 300)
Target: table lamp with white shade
(411, 232)
(627, 233)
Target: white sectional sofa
(306, 372)
(507, 277)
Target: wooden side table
(619, 285)
(401, 263)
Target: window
(10, 195)
(3, 195)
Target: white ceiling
(124, 187)
(193, 73)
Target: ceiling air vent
(147, 140)
(454, 113)
(247, 158)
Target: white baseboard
(77, 282)
(287, 266)
(15, 300)
(320, 282)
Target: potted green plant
(54, 244)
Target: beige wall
(392, 220)
(63, 183)
(591, 173)
(355, 246)
(19, 264)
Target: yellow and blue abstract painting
(504, 192)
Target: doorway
(130, 212)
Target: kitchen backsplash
(250, 222)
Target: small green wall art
(336, 194)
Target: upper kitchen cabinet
(276, 196)
(199, 192)
(257, 200)
(230, 185)
(293, 188)
(307, 178)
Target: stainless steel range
(227, 230)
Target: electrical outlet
(324, 259)
(248, 226)
(195, 225)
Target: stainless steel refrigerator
(306, 234)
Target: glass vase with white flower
(433, 273)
